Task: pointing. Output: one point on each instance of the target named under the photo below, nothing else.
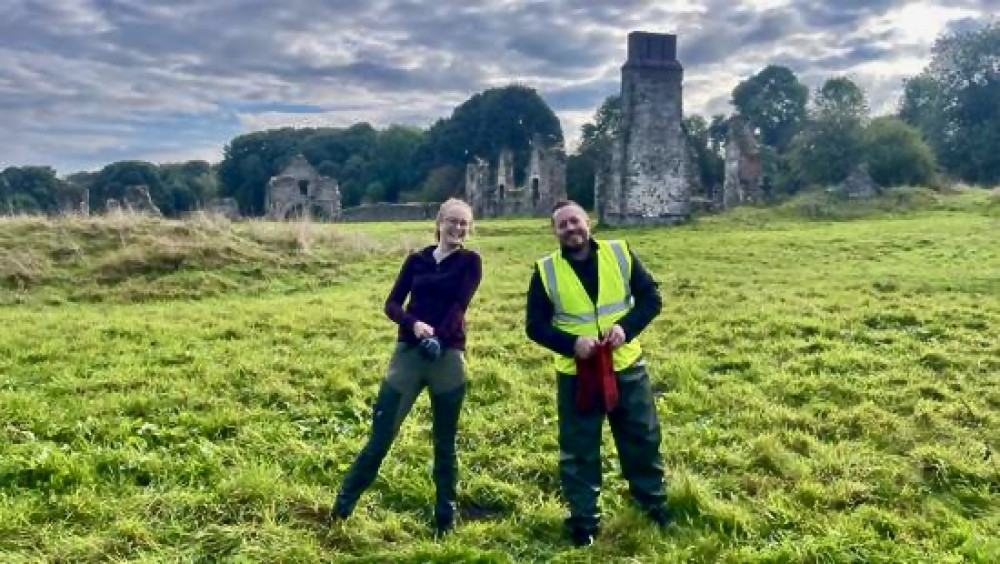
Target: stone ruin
(650, 175)
(743, 183)
(300, 190)
(136, 199)
(226, 207)
(75, 199)
(385, 211)
(491, 191)
(859, 184)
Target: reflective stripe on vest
(552, 285)
(576, 313)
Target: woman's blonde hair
(445, 206)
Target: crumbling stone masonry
(545, 183)
(75, 199)
(743, 166)
(859, 185)
(384, 211)
(477, 182)
(226, 207)
(649, 177)
(299, 190)
(136, 199)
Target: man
(587, 294)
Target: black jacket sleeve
(538, 323)
(648, 301)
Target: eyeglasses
(456, 222)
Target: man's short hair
(564, 202)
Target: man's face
(571, 226)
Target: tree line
(947, 126)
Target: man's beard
(574, 241)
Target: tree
(114, 179)
(896, 155)
(596, 140)
(499, 118)
(596, 137)
(921, 105)
(956, 102)
(774, 103)
(840, 101)
(718, 131)
(188, 185)
(830, 146)
(249, 161)
(711, 165)
(30, 189)
(443, 183)
(396, 149)
(580, 180)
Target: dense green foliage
(830, 145)
(498, 118)
(594, 152)
(955, 103)
(30, 189)
(702, 138)
(398, 162)
(896, 155)
(174, 188)
(774, 102)
(828, 393)
(367, 164)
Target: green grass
(171, 391)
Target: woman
(440, 281)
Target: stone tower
(743, 166)
(545, 178)
(477, 181)
(649, 177)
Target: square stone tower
(650, 175)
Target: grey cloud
(581, 97)
(87, 73)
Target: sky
(84, 83)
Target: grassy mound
(128, 258)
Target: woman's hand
(422, 330)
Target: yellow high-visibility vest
(576, 314)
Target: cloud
(87, 82)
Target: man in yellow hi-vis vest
(587, 293)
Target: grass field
(193, 391)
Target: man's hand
(422, 330)
(615, 337)
(584, 347)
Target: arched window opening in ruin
(534, 192)
(304, 187)
(500, 192)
